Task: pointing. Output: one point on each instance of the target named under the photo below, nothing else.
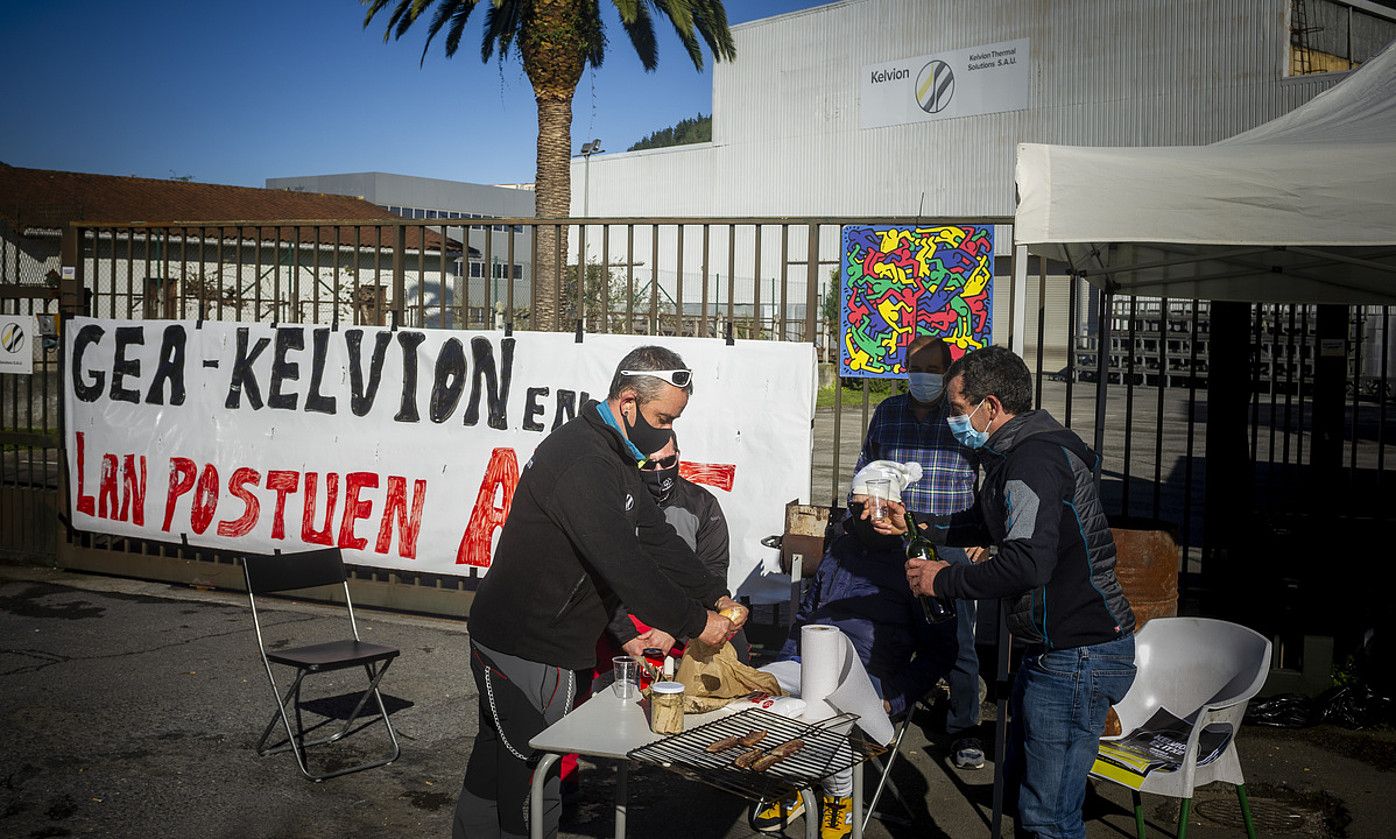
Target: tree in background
(698, 129)
(557, 40)
(609, 298)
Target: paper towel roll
(856, 695)
(821, 664)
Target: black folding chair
(884, 764)
(285, 572)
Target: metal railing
(1129, 375)
(751, 278)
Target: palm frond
(457, 12)
(710, 19)
(707, 18)
(680, 14)
(629, 9)
(594, 34)
(401, 11)
(640, 28)
(502, 24)
(405, 15)
(374, 7)
(457, 27)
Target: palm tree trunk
(553, 199)
(553, 47)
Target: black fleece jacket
(584, 534)
(1040, 505)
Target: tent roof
(1300, 209)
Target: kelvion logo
(880, 76)
(935, 86)
(12, 339)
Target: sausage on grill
(751, 738)
(778, 754)
(725, 743)
(748, 758)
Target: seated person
(696, 516)
(861, 588)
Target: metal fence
(1130, 375)
(751, 278)
(29, 421)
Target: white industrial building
(506, 248)
(824, 112)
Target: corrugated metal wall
(786, 136)
(787, 141)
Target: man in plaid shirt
(912, 427)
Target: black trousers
(518, 699)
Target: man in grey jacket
(1040, 504)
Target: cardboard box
(803, 540)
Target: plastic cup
(879, 491)
(625, 685)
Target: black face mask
(863, 529)
(646, 437)
(661, 482)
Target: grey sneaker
(968, 753)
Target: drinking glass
(626, 684)
(879, 490)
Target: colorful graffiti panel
(901, 282)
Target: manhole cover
(1270, 816)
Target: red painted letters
(501, 475)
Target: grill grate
(830, 746)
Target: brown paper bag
(712, 677)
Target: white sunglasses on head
(677, 378)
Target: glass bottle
(935, 609)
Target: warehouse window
(1332, 36)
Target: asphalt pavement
(132, 708)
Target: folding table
(607, 727)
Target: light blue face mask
(964, 429)
(925, 387)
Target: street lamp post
(588, 149)
(494, 282)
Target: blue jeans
(963, 677)
(1060, 698)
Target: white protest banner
(946, 85)
(401, 447)
(17, 336)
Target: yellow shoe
(835, 816)
(773, 817)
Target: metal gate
(29, 420)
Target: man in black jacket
(583, 535)
(1039, 503)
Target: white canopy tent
(1301, 209)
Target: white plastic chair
(1205, 671)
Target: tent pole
(1102, 381)
(1018, 301)
(1003, 687)
(1329, 405)
(1347, 260)
(1228, 475)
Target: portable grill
(830, 746)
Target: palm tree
(557, 39)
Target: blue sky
(240, 92)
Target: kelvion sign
(967, 82)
